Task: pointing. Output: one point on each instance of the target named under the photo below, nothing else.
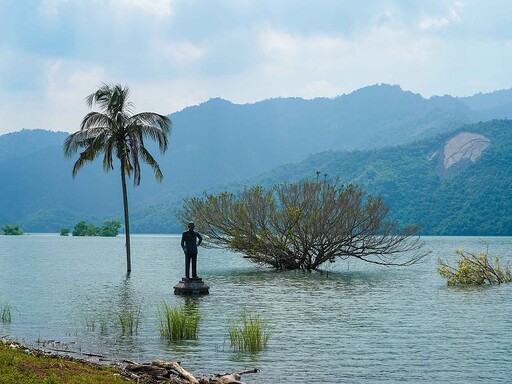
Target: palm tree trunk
(126, 222)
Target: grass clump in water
(6, 314)
(103, 324)
(250, 334)
(90, 323)
(178, 323)
(129, 321)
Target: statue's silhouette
(190, 240)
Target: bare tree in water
(303, 225)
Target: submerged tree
(116, 132)
(65, 231)
(475, 269)
(303, 225)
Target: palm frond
(152, 119)
(134, 158)
(87, 156)
(154, 126)
(70, 146)
(96, 120)
(77, 140)
(111, 99)
(100, 97)
(148, 159)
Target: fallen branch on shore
(172, 372)
(230, 378)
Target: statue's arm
(183, 242)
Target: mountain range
(219, 145)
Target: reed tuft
(129, 321)
(6, 314)
(178, 323)
(251, 334)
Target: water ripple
(353, 323)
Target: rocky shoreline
(154, 372)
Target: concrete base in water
(192, 286)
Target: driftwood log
(230, 378)
(160, 371)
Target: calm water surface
(356, 323)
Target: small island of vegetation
(109, 229)
(12, 230)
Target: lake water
(356, 323)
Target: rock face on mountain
(464, 147)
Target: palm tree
(116, 131)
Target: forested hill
(220, 143)
(454, 184)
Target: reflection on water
(352, 323)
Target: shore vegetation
(21, 365)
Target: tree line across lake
(109, 228)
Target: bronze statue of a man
(190, 240)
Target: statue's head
(191, 225)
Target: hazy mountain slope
(219, 143)
(488, 101)
(26, 142)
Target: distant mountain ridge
(220, 143)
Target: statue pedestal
(192, 286)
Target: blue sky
(177, 53)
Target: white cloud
(441, 22)
(157, 8)
(51, 8)
(284, 53)
(298, 65)
(67, 83)
(180, 53)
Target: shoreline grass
(21, 365)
